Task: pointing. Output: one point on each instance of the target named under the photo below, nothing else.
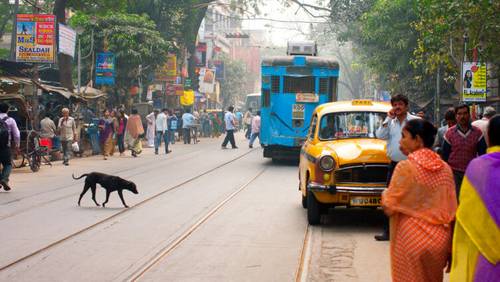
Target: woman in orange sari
(421, 204)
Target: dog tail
(82, 176)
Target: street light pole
(79, 66)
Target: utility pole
(437, 98)
(14, 32)
(464, 59)
(36, 78)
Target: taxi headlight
(327, 163)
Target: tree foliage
(133, 39)
(233, 86)
(442, 25)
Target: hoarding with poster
(474, 82)
(168, 72)
(105, 69)
(207, 80)
(67, 40)
(35, 38)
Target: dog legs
(93, 188)
(121, 197)
(107, 198)
(85, 189)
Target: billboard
(168, 72)
(474, 82)
(207, 80)
(67, 40)
(35, 38)
(105, 69)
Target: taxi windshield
(350, 125)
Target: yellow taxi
(342, 162)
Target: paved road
(202, 214)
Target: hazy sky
(281, 32)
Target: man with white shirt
(161, 131)
(391, 130)
(482, 124)
(230, 124)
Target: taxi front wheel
(313, 209)
(304, 201)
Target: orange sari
(421, 203)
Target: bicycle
(32, 152)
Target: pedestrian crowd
(443, 196)
(119, 132)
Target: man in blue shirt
(187, 122)
(391, 130)
(230, 123)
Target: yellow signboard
(168, 72)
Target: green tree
(234, 84)
(132, 38)
(93, 7)
(442, 25)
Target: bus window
(266, 79)
(266, 98)
(332, 91)
(303, 84)
(323, 85)
(275, 84)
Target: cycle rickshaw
(32, 149)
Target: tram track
(165, 251)
(305, 256)
(124, 211)
(195, 153)
(41, 204)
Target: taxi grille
(376, 174)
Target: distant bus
(253, 102)
(292, 87)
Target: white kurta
(150, 132)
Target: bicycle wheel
(35, 162)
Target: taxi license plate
(366, 201)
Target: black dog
(109, 182)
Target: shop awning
(91, 93)
(59, 90)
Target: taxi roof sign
(362, 103)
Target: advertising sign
(67, 40)
(474, 82)
(306, 98)
(207, 80)
(105, 69)
(35, 38)
(168, 72)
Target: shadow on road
(352, 217)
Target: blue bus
(292, 87)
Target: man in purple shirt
(5, 153)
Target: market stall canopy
(60, 90)
(91, 93)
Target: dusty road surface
(202, 214)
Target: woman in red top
(120, 133)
